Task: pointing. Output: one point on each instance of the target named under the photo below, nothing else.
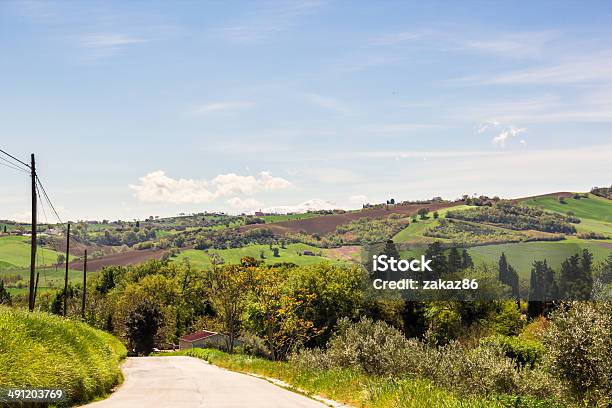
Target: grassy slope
(595, 208)
(414, 232)
(15, 250)
(42, 350)
(521, 255)
(200, 258)
(345, 386)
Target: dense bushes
(518, 217)
(524, 352)
(579, 340)
(41, 350)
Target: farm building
(205, 338)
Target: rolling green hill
(15, 252)
(201, 259)
(594, 207)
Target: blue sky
(156, 108)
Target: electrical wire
(14, 158)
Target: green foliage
(141, 326)
(518, 217)
(368, 230)
(466, 233)
(580, 349)
(5, 297)
(524, 352)
(45, 351)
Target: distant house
(259, 213)
(205, 338)
(308, 253)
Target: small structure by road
(205, 338)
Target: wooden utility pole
(84, 286)
(33, 241)
(66, 277)
(36, 288)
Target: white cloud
(504, 132)
(326, 102)
(158, 187)
(221, 106)
(514, 45)
(244, 204)
(310, 205)
(358, 199)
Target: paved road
(186, 382)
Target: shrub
(525, 353)
(580, 349)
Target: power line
(14, 158)
(48, 199)
(11, 165)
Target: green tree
(436, 215)
(454, 260)
(466, 260)
(508, 276)
(5, 296)
(422, 212)
(391, 250)
(141, 327)
(438, 262)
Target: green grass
(414, 232)
(50, 278)
(345, 386)
(201, 259)
(521, 255)
(595, 208)
(15, 250)
(46, 351)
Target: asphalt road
(186, 382)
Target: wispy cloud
(514, 45)
(214, 107)
(502, 132)
(101, 45)
(327, 102)
(270, 19)
(579, 69)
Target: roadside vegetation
(46, 351)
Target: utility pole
(33, 242)
(84, 286)
(66, 277)
(36, 288)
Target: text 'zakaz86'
(384, 263)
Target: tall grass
(42, 350)
(349, 386)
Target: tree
(5, 296)
(542, 289)
(60, 260)
(454, 260)
(422, 212)
(141, 327)
(228, 288)
(508, 276)
(436, 215)
(466, 260)
(576, 279)
(391, 250)
(276, 252)
(438, 262)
